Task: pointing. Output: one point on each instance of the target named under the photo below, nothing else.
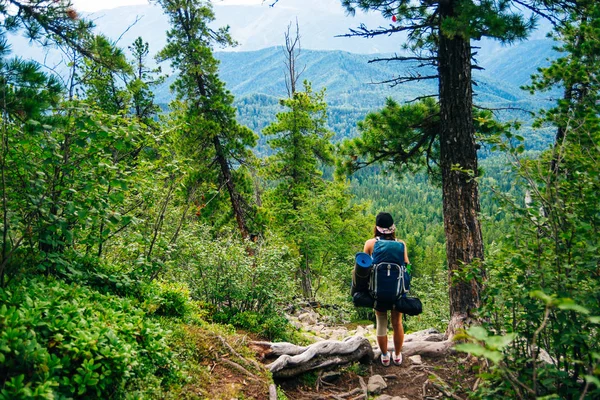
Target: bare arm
(405, 252)
(369, 244)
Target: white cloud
(95, 5)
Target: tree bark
(464, 244)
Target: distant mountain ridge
(253, 71)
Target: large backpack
(389, 278)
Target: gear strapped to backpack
(389, 278)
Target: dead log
(427, 349)
(318, 355)
(269, 349)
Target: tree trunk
(234, 196)
(464, 244)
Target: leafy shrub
(271, 326)
(222, 273)
(58, 340)
(169, 299)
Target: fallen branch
(428, 349)
(363, 386)
(445, 392)
(272, 392)
(240, 368)
(350, 393)
(442, 387)
(238, 355)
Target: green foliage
(171, 299)
(68, 183)
(222, 274)
(483, 344)
(208, 131)
(61, 340)
(270, 326)
(494, 19)
(405, 137)
(545, 286)
(314, 214)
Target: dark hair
(390, 236)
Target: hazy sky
(95, 5)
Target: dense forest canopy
(141, 228)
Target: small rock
(361, 331)
(416, 360)
(388, 397)
(376, 384)
(295, 323)
(308, 318)
(339, 334)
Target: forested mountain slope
(353, 83)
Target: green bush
(271, 326)
(170, 299)
(67, 341)
(225, 276)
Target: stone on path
(376, 384)
(309, 318)
(416, 359)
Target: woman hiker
(384, 247)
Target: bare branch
(363, 31)
(423, 97)
(292, 52)
(402, 58)
(403, 79)
(137, 19)
(509, 108)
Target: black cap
(384, 220)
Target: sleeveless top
(388, 251)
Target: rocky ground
(449, 375)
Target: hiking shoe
(385, 359)
(397, 358)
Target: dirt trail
(438, 378)
(419, 377)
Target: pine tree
(302, 144)
(144, 79)
(439, 34)
(213, 137)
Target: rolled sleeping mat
(362, 272)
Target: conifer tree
(439, 34)
(212, 135)
(301, 140)
(144, 78)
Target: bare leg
(398, 331)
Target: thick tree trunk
(464, 245)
